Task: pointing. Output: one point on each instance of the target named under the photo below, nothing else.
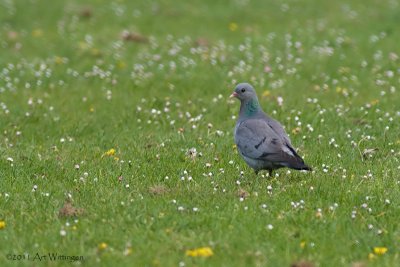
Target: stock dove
(261, 140)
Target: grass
(72, 88)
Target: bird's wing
(278, 129)
(257, 139)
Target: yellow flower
(266, 93)
(2, 225)
(380, 250)
(121, 65)
(110, 152)
(371, 256)
(233, 26)
(296, 130)
(200, 252)
(102, 246)
(58, 60)
(342, 90)
(128, 251)
(303, 244)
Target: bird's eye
(243, 90)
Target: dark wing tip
(297, 163)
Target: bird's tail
(296, 162)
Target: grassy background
(71, 88)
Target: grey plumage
(261, 140)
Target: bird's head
(244, 92)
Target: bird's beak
(234, 94)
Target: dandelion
(58, 60)
(110, 152)
(303, 244)
(2, 225)
(266, 93)
(296, 130)
(200, 252)
(102, 246)
(371, 256)
(380, 250)
(127, 251)
(233, 26)
(121, 65)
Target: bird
(261, 140)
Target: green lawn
(151, 80)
